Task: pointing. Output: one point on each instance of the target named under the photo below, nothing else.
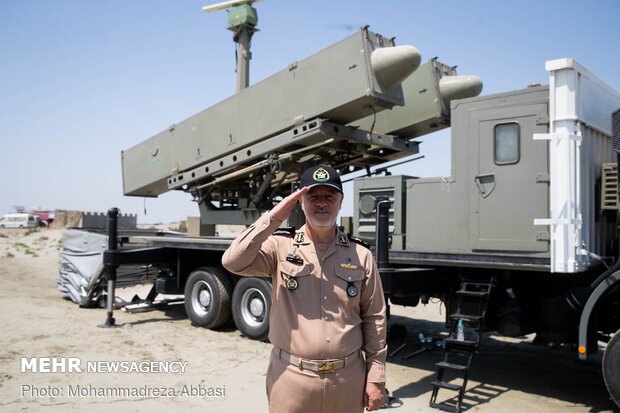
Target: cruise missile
(428, 93)
(355, 77)
(459, 87)
(392, 65)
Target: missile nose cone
(392, 65)
(459, 87)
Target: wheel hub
(257, 307)
(204, 298)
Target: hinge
(543, 236)
(542, 177)
(542, 119)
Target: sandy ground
(225, 372)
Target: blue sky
(83, 80)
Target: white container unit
(580, 108)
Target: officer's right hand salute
(283, 210)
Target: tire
(208, 292)
(252, 306)
(611, 367)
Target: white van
(19, 221)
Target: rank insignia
(291, 284)
(299, 237)
(351, 289)
(343, 239)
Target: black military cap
(321, 175)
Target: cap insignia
(321, 175)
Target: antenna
(242, 20)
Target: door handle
(478, 181)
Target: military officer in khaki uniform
(328, 321)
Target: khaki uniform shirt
(318, 320)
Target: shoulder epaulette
(285, 231)
(358, 241)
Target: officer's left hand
(374, 397)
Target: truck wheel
(207, 297)
(251, 307)
(611, 367)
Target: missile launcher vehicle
(520, 238)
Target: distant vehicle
(45, 217)
(19, 221)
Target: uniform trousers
(291, 390)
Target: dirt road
(222, 371)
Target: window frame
(518, 143)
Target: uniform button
(293, 272)
(327, 339)
(349, 278)
(325, 318)
(325, 297)
(324, 277)
(264, 225)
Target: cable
(374, 119)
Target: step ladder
(456, 361)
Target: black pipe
(381, 247)
(109, 266)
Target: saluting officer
(328, 309)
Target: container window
(506, 143)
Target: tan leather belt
(320, 366)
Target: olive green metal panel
(424, 111)
(506, 197)
(365, 192)
(145, 162)
(244, 14)
(337, 83)
(485, 207)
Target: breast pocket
(294, 276)
(349, 284)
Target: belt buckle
(326, 367)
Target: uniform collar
(301, 237)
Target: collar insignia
(299, 237)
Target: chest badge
(351, 289)
(292, 284)
(348, 265)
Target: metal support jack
(110, 266)
(458, 354)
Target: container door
(509, 180)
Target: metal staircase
(456, 361)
